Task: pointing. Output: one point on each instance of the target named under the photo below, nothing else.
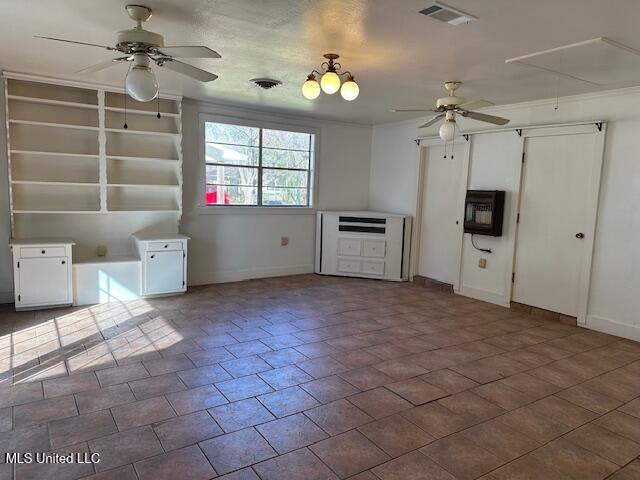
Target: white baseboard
(6, 297)
(484, 295)
(205, 278)
(613, 327)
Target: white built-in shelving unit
(70, 154)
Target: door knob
(580, 235)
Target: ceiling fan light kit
(330, 81)
(141, 83)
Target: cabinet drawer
(373, 268)
(160, 246)
(374, 248)
(33, 252)
(348, 266)
(349, 246)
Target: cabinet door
(44, 281)
(163, 272)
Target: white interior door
(554, 215)
(442, 197)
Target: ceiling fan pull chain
(158, 99)
(125, 126)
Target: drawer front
(33, 252)
(374, 248)
(349, 246)
(160, 246)
(373, 268)
(348, 266)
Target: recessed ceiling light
(444, 13)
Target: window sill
(239, 210)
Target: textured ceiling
(399, 57)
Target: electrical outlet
(284, 241)
(101, 250)
(482, 263)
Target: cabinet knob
(166, 246)
(153, 256)
(43, 252)
(63, 262)
(580, 235)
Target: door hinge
(18, 264)
(184, 255)
(522, 157)
(183, 283)
(513, 277)
(19, 298)
(518, 219)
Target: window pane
(224, 175)
(231, 154)
(226, 195)
(284, 196)
(284, 178)
(285, 158)
(289, 140)
(234, 134)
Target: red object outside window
(211, 198)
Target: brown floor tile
(525, 383)
(245, 366)
(242, 414)
(322, 367)
(81, 428)
(245, 387)
(103, 398)
(616, 384)
(126, 472)
(288, 401)
(490, 369)
(154, 386)
(631, 408)
(209, 356)
(142, 412)
(68, 385)
(412, 466)
(328, 389)
(337, 417)
(573, 460)
(503, 396)
(528, 468)
(290, 433)
(589, 399)
(563, 411)
(284, 377)
(283, 357)
(356, 358)
(126, 373)
(246, 349)
(605, 443)
(192, 400)
(349, 453)
(470, 405)
(534, 424)
(500, 439)
(244, 474)
(461, 457)
(236, 450)
(22, 393)
(630, 472)
(162, 366)
(449, 381)
(622, 424)
(555, 376)
(298, 465)
(196, 377)
(400, 369)
(57, 470)
(186, 430)
(27, 439)
(395, 435)
(417, 391)
(437, 420)
(187, 463)
(6, 419)
(388, 351)
(379, 402)
(44, 411)
(125, 447)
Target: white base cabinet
(164, 263)
(42, 272)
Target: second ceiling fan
(448, 107)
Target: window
(251, 166)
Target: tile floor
(311, 378)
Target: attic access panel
(598, 61)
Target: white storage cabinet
(363, 244)
(164, 263)
(42, 272)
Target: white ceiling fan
(141, 46)
(447, 108)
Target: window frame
(312, 178)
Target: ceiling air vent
(265, 83)
(444, 13)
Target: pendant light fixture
(330, 81)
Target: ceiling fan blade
(432, 121)
(77, 43)
(188, 70)
(483, 117)
(400, 110)
(475, 104)
(102, 65)
(189, 52)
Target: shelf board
(56, 154)
(142, 185)
(57, 211)
(143, 159)
(48, 101)
(68, 184)
(141, 132)
(143, 211)
(56, 125)
(141, 112)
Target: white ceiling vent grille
(444, 13)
